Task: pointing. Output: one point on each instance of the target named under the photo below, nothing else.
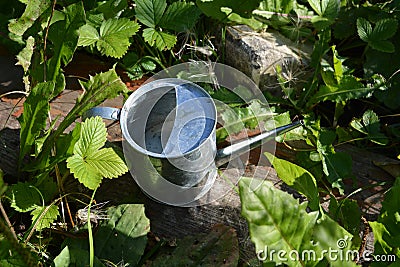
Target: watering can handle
(104, 112)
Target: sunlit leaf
(114, 36)
(24, 57)
(33, 10)
(159, 39)
(369, 125)
(90, 164)
(75, 257)
(45, 216)
(24, 197)
(298, 178)
(276, 220)
(33, 119)
(180, 16)
(149, 12)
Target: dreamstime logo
(169, 129)
(332, 254)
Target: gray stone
(259, 54)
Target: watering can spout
(224, 155)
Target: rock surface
(258, 55)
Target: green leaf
(159, 39)
(347, 212)
(84, 172)
(327, 11)
(180, 16)
(298, 178)
(387, 229)
(75, 257)
(112, 8)
(131, 225)
(90, 164)
(64, 35)
(331, 236)
(120, 238)
(32, 12)
(385, 29)
(24, 197)
(93, 136)
(33, 119)
(24, 57)
(150, 12)
(45, 216)
(364, 29)
(217, 248)
(377, 37)
(349, 88)
(369, 125)
(114, 36)
(96, 90)
(214, 8)
(276, 220)
(88, 35)
(238, 118)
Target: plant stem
(7, 220)
(90, 232)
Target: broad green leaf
(96, 90)
(24, 197)
(84, 172)
(131, 225)
(214, 8)
(341, 212)
(380, 234)
(33, 10)
(238, 118)
(180, 16)
(114, 36)
(88, 35)
(383, 46)
(283, 119)
(107, 162)
(298, 178)
(377, 37)
(159, 39)
(217, 248)
(349, 88)
(327, 11)
(112, 8)
(330, 236)
(24, 57)
(385, 29)
(276, 220)
(150, 12)
(33, 119)
(387, 228)
(64, 35)
(337, 65)
(43, 217)
(75, 257)
(369, 125)
(93, 136)
(335, 165)
(252, 22)
(284, 6)
(364, 29)
(120, 238)
(90, 164)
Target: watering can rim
(121, 115)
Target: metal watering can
(169, 139)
